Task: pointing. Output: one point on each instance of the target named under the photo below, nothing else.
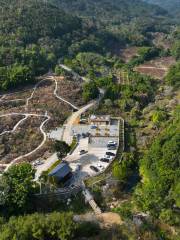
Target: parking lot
(86, 160)
(80, 164)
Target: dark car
(95, 169)
(82, 152)
(110, 154)
(111, 147)
(84, 135)
(106, 160)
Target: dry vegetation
(71, 91)
(28, 136)
(156, 68)
(167, 100)
(44, 100)
(161, 40)
(128, 53)
(7, 123)
(22, 141)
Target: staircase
(95, 207)
(92, 203)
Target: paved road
(68, 69)
(67, 136)
(46, 165)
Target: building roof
(101, 118)
(60, 171)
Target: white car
(109, 157)
(112, 142)
(37, 163)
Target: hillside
(116, 13)
(111, 10)
(173, 6)
(34, 35)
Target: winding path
(68, 126)
(26, 115)
(16, 126)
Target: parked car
(106, 160)
(95, 169)
(81, 152)
(111, 147)
(84, 135)
(111, 154)
(109, 157)
(93, 126)
(37, 163)
(112, 142)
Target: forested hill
(130, 19)
(114, 12)
(35, 34)
(173, 6)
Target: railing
(62, 193)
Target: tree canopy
(158, 193)
(58, 226)
(17, 187)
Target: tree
(123, 170)
(59, 71)
(90, 91)
(61, 148)
(173, 76)
(159, 169)
(176, 50)
(17, 187)
(158, 117)
(59, 226)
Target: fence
(61, 193)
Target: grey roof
(60, 171)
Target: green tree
(159, 117)
(176, 50)
(90, 91)
(173, 75)
(17, 187)
(59, 226)
(122, 170)
(62, 148)
(160, 172)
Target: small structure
(102, 120)
(62, 173)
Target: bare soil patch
(156, 68)
(110, 219)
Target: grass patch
(53, 166)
